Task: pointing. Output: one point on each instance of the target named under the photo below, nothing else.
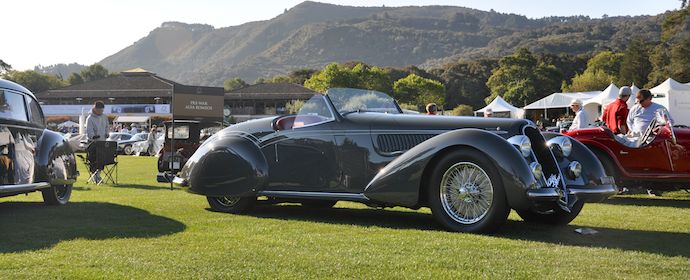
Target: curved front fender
(400, 181)
(592, 169)
(227, 166)
(55, 162)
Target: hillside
(313, 34)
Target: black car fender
(592, 169)
(228, 165)
(55, 162)
(402, 181)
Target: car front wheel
(128, 150)
(228, 204)
(466, 193)
(57, 195)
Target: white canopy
(560, 100)
(131, 119)
(68, 124)
(676, 98)
(595, 105)
(631, 100)
(500, 105)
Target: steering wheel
(647, 133)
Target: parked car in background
(142, 148)
(658, 160)
(78, 142)
(187, 138)
(32, 158)
(125, 142)
(357, 145)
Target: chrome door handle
(623, 152)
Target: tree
(589, 81)
(75, 79)
(635, 66)
(358, 76)
(300, 75)
(602, 69)
(521, 79)
(607, 61)
(659, 58)
(679, 67)
(34, 81)
(420, 91)
(463, 110)
(233, 84)
(4, 67)
(280, 79)
(94, 72)
(465, 81)
(293, 106)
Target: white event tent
(676, 98)
(499, 105)
(560, 100)
(595, 105)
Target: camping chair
(101, 157)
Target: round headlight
(574, 169)
(564, 143)
(522, 143)
(536, 170)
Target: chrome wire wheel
(228, 201)
(466, 192)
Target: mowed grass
(142, 229)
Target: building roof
(270, 91)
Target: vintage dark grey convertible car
(32, 158)
(356, 145)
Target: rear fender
(400, 182)
(226, 166)
(55, 162)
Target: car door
(648, 159)
(302, 158)
(23, 126)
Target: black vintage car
(356, 145)
(188, 137)
(32, 158)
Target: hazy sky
(49, 32)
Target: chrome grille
(542, 153)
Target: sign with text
(198, 103)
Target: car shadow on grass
(28, 226)
(655, 202)
(656, 242)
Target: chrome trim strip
(357, 197)
(23, 187)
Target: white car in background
(142, 148)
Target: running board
(356, 197)
(23, 187)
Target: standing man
(152, 141)
(616, 113)
(580, 120)
(133, 129)
(642, 114)
(431, 109)
(97, 123)
(488, 113)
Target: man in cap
(616, 113)
(580, 120)
(431, 109)
(488, 113)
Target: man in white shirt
(134, 129)
(642, 114)
(580, 120)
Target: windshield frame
(342, 116)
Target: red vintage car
(659, 159)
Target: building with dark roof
(262, 100)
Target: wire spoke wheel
(466, 192)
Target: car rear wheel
(319, 203)
(128, 150)
(57, 195)
(557, 216)
(229, 204)
(466, 193)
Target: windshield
(141, 136)
(347, 100)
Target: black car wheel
(557, 216)
(227, 204)
(466, 193)
(57, 195)
(318, 203)
(128, 150)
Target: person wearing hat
(97, 123)
(616, 113)
(488, 113)
(580, 120)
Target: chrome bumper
(589, 194)
(179, 182)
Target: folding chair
(101, 160)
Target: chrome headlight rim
(574, 169)
(564, 143)
(522, 143)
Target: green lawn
(142, 229)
